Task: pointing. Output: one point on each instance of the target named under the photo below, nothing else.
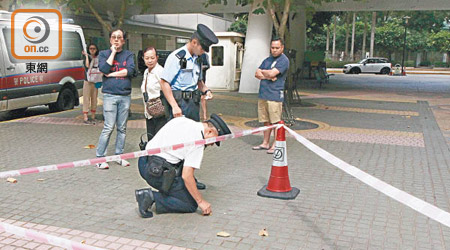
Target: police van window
(217, 55)
(71, 46)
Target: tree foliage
(441, 41)
(389, 36)
(240, 23)
(89, 6)
(278, 10)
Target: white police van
(57, 83)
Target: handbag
(94, 74)
(154, 106)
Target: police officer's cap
(206, 37)
(220, 125)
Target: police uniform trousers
(177, 200)
(188, 101)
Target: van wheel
(66, 101)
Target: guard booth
(226, 61)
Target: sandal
(259, 147)
(270, 151)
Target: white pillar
(257, 48)
(372, 33)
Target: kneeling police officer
(172, 173)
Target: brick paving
(332, 211)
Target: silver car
(375, 65)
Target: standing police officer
(181, 81)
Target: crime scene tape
(45, 238)
(135, 154)
(413, 202)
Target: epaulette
(180, 55)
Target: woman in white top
(150, 85)
(91, 85)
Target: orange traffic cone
(279, 186)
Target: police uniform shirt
(176, 131)
(181, 79)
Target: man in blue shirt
(272, 73)
(117, 65)
(181, 81)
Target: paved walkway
(392, 135)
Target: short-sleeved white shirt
(176, 131)
(153, 87)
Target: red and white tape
(401, 196)
(131, 155)
(44, 238)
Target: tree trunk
(372, 33)
(285, 17)
(352, 50)
(347, 34)
(364, 37)
(333, 54)
(123, 8)
(273, 15)
(328, 42)
(280, 27)
(105, 24)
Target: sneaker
(103, 165)
(123, 163)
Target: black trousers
(154, 125)
(189, 107)
(178, 200)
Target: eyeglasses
(116, 37)
(92, 48)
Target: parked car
(375, 65)
(59, 86)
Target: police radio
(183, 63)
(180, 55)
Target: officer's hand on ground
(176, 111)
(205, 207)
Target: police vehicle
(57, 83)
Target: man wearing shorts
(272, 73)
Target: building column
(257, 48)
(298, 35)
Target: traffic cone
(279, 186)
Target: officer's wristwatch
(206, 91)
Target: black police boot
(200, 186)
(145, 200)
